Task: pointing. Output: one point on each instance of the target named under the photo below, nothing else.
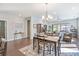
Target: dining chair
(63, 41)
(43, 45)
(67, 37)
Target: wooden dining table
(50, 39)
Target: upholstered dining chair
(43, 45)
(3, 47)
(67, 37)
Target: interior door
(28, 29)
(2, 29)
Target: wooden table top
(50, 38)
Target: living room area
(39, 29)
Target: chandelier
(46, 16)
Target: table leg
(55, 49)
(38, 46)
(33, 43)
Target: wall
(35, 20)
(78, 26)
(25, 25)
(17, 24)
(12, 21)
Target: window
(55, 28)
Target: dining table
(51, 39)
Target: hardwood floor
(13, 46)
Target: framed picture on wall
(19, 27)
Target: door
(2, 29)
(28, 29)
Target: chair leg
(50, 48)
(59, 48)
(4, 53)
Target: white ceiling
(60, 10)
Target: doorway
(3, 29)
(28, 29)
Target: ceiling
(59, 10)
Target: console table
(21, 33)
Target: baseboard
(10, 40)
(16, 39)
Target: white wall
(35, 20)
(12, 21)
(25, 25)
(78, 26)
(11, 25)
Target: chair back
(67, 37)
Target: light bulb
(43, 17)
(46, 18)
(50, 17)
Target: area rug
(28, 51)
(69, 52)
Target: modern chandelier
(46, 16)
